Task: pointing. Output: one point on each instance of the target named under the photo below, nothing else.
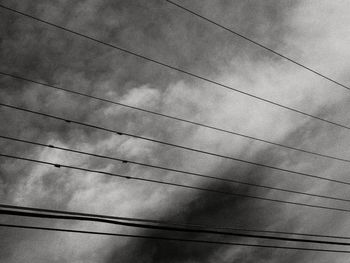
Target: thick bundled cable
(101, 219)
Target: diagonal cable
(174, 118)
(170, 144)
(228, 180)
(100, 219)
(259, 45)
(170, 223)
(162, 238)
(57, 165)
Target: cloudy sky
(315, 33)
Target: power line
(199, 241)
(169, 223)
(175, 68)
(259, 45)
(175, 118)
(100, 219)
(172, 170)
(173, 144)
(244, 244)
(175, 184)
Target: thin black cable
(173, 170)
(175, 184)
(173, 145)
(259, 44)
(170, 239)
(168, 223)
(99, 219)
(176, 118)
(175, 68)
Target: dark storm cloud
(206, 209)
(227, 211)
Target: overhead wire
(199, 241)
(171, 223)
(58, 165)
(258, 44)
(100, 219)
(123, 160)
(174, 68)
(174, 117)
(172, 144)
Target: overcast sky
(316, 33)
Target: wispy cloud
(314, 33)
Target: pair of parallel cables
(167, 226)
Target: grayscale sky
(316, 33)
